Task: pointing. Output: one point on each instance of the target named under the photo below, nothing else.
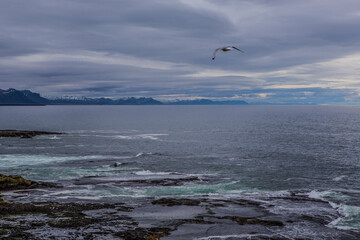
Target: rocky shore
(201, 218)
(25, 133)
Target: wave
(339, 178)
(150, 173)
(140, 154)
(239, 236)
(51, 137)
(152, 136)
(350, 219)
(350, 214)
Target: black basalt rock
(25, 133)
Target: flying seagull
(224, 49)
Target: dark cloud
(163, 49)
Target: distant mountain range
(23, 97)
(206, 102)
(12, 96)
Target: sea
(109, 153)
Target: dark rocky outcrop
(66, 216)
(15, 182)
(52, 220)
(144, 234)
(139, 182)
(252, 220)
(176, 202)
(25, 133)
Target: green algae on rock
(15, 182)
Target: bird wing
(237, 49)
(214, 54)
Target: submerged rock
(25, 133)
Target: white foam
(259, 193)
(142, 154)
(350, 215)
(222, 237)
(91, 194)
(152, 136)
(339, 178)
(82, 197)
(51, 137)
(139, 154)
(150, 173)
(335, 195)
(316, 195)
(350, 219)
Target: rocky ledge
(200, 218)
(14, 182)
(25, 133)
(164, 218)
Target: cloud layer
(305, 52)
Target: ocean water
(112, 153)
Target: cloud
(99, 58)
(163, 49)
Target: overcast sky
(304, 51)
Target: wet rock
(24, 133)
(20, 235)
(244, 220)
(56, 209)
(22, 221)
(14, 182)
(74, 222)
(144, 233)
(176, 201)
(176, 181)
(164, 181)
(3, 232)
(196, 220)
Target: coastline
(198, 217)
(177, 216)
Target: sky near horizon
(296, 52)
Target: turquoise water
(114, 152)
